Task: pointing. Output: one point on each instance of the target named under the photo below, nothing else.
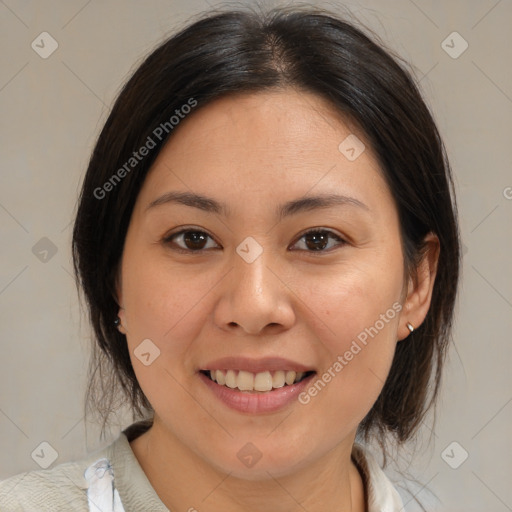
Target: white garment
(101, 493)
(112, 480)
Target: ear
(119, 299)
(419, 288)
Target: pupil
(194, 239)
(315, 241)
(316, 238)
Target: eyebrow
(210, 205)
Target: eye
(192, 240)
(317, 240)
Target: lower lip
(257, 403)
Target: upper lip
(264, 364)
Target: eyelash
(167, 240)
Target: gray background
(51, 112)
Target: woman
(268, 246)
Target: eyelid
(183, 229)
(166, 239)
(341, 239)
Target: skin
(255, 152)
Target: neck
(185, 481)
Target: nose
(254, 299)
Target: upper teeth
(247, 381)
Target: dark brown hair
(236, 51)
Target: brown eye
(189, 240)
(318, 240)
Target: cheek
(165, 306)
(350, 300)
(161, 301)
(356, 313)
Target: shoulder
(66, 486)
(381, 495)
(61, 488)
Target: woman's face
(233, 283)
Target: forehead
(272, 143)
(269, 121)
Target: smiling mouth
(261, 382)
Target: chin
(259, 460)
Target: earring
(409, 326)
(117, 321)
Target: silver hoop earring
(409, 326)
